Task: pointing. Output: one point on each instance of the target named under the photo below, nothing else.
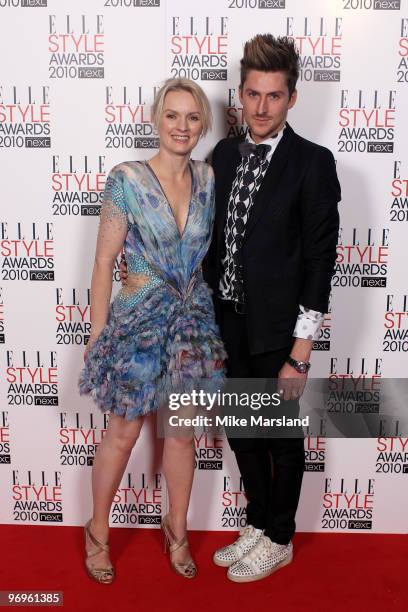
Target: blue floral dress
(161, 336)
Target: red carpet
(358, 572)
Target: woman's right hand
(90, 343)
(123, 270)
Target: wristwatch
(300, 366)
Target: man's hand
(123, 269)
(291, 383)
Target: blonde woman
(159, 335)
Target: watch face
(300, 366)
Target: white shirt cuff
(308, 324)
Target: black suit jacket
(289, 248)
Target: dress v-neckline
(181, 234)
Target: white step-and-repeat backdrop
(76, 84)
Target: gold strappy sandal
(103, 575)
(188, 569)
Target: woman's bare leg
(111, 459)
(178, 467)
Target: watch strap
(300, 366)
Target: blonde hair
(190, 87)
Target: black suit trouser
(271, 468)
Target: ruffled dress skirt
(163, 344)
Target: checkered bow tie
(248, 148)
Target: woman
(159, 335)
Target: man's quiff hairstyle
(266, 53)
(183, 85)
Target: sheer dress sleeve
(113, 222)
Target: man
(270, 266)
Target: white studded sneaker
(248, 538)
(264, 559)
